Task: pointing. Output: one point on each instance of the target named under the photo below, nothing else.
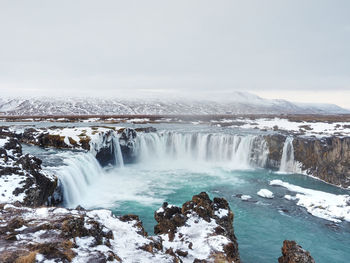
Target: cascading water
(76, 176)
(239, 152)
(288, 164)
(117, 152)
(233, 152)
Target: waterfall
(237, 151)
(288, 164)
(117, 152)
(230, 151)
(78, 173)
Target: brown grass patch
(29, 258)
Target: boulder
(293, 253)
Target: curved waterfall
(232, 151)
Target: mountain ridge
(225, 103)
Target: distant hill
(228, 103)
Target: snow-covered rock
(201, 230)
(22, 179)
(50, 234)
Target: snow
(316, 128)
(245, 197)
(265, 193)
(8, 183)
(126, 239)
(321, 204)
(3, 142)
(221, 213)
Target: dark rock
(127, 144)
(293, 253)
(106, 155)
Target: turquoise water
(261, 224)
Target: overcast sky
(297, 49)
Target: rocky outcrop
(293, 253)
(200, 231)
(22, 179)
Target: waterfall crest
(238, 151)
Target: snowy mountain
(228, 103)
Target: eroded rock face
(22, 179)
(275, 145)
(293, 253)
(200, 231)
(326, 158)
(127, 144)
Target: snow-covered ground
(307, 128)
(321, 204)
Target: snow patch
(265, 193)
(325, 205)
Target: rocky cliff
(326, 158)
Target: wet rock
(127, 141)
(293, 253)
(105, 150)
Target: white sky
(296, 49)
